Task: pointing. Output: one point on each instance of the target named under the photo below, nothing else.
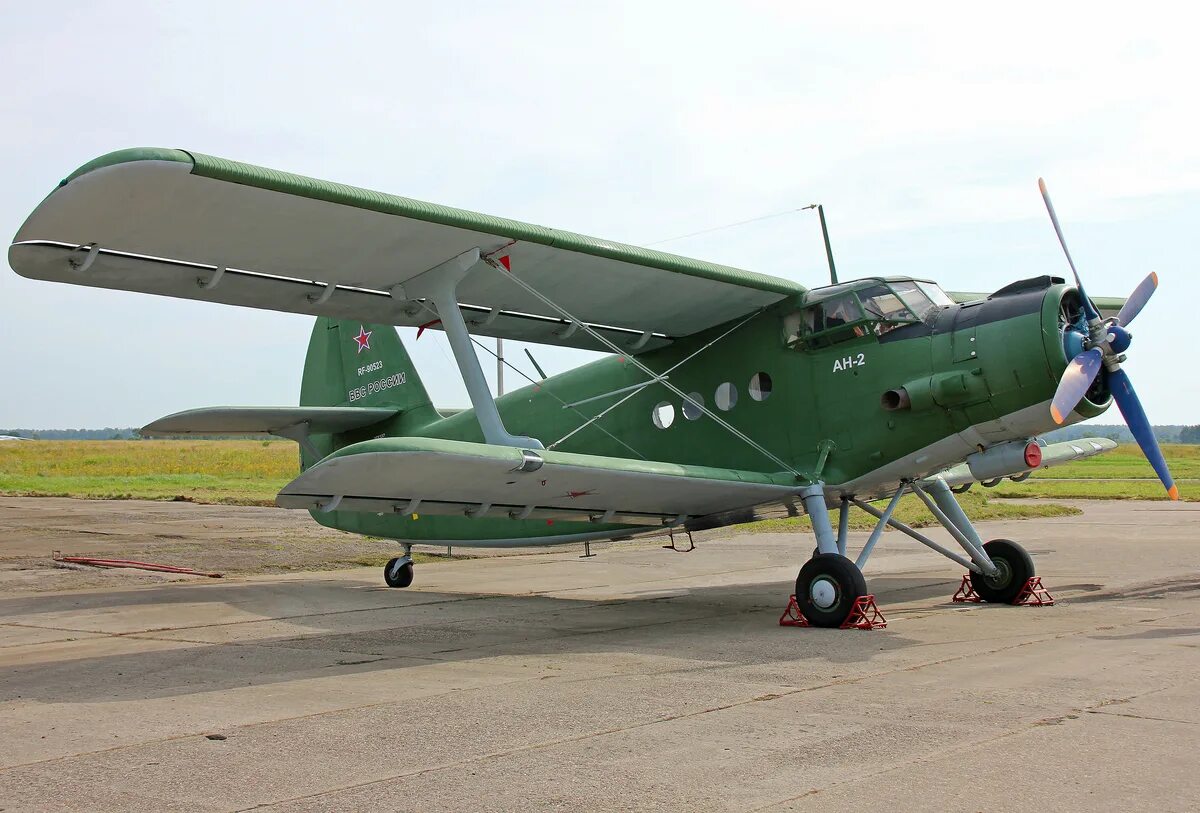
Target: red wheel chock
(864, 615)
(966, 592)
(792, 617)
(1033, 594)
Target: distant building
(11, 437)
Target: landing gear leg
(1000, 568)
(398, 572)
(829, 584)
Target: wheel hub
(823, 593)
(1003, 574)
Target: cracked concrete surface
(639, 679)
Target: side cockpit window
(834, 313)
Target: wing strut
(438, 285)
(650, 373)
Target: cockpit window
(935, 293)
(833, 313)
(857, 309)
(916, 299)
(881, 303)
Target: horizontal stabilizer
(269, 420)
(435, 476)
(1052, 455)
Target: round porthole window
(726, 397)
(693, 406)
(663, 415)
(760, 386)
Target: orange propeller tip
(1041, 184)
(1056, 415)
(1173, 493)
(1154, 274)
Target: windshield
(935, 293)
(916, 298)
(880, 302)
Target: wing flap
(399, 474)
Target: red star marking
(363, 339)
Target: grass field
(243, 472)
(225, 472)
(1122, 474)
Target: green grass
(251, 472)
(913, 512)
(227, 472)
(1122, 474)
(1127, 461)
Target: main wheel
(1016, 567)
(398, 573)
(827, 587)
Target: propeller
(1104, 344)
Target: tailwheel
(827, 587)
(398, 572)
(1016, 568)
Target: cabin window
(693, 406)
(726, 397)
(760, 386)
(663, 415)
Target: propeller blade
(1139, 425)
(1138, 299)
(1088, 307)
(1073, 385)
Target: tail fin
(362, 365)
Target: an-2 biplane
(726, 395)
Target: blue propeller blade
(1139, 425)
(1073, 385)
(1137, 300)
(1088, 307)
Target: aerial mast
(825, 234)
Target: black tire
(1016, 568)
(835, 571)
(398, 577)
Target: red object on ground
(1033, 594)
(792, 617)
(130, 563)
(966, 592)
(864, 615)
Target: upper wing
(435, 476)
(167, 221)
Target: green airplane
(726, 396)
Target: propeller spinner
(1103, 346)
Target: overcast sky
(921, 128)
